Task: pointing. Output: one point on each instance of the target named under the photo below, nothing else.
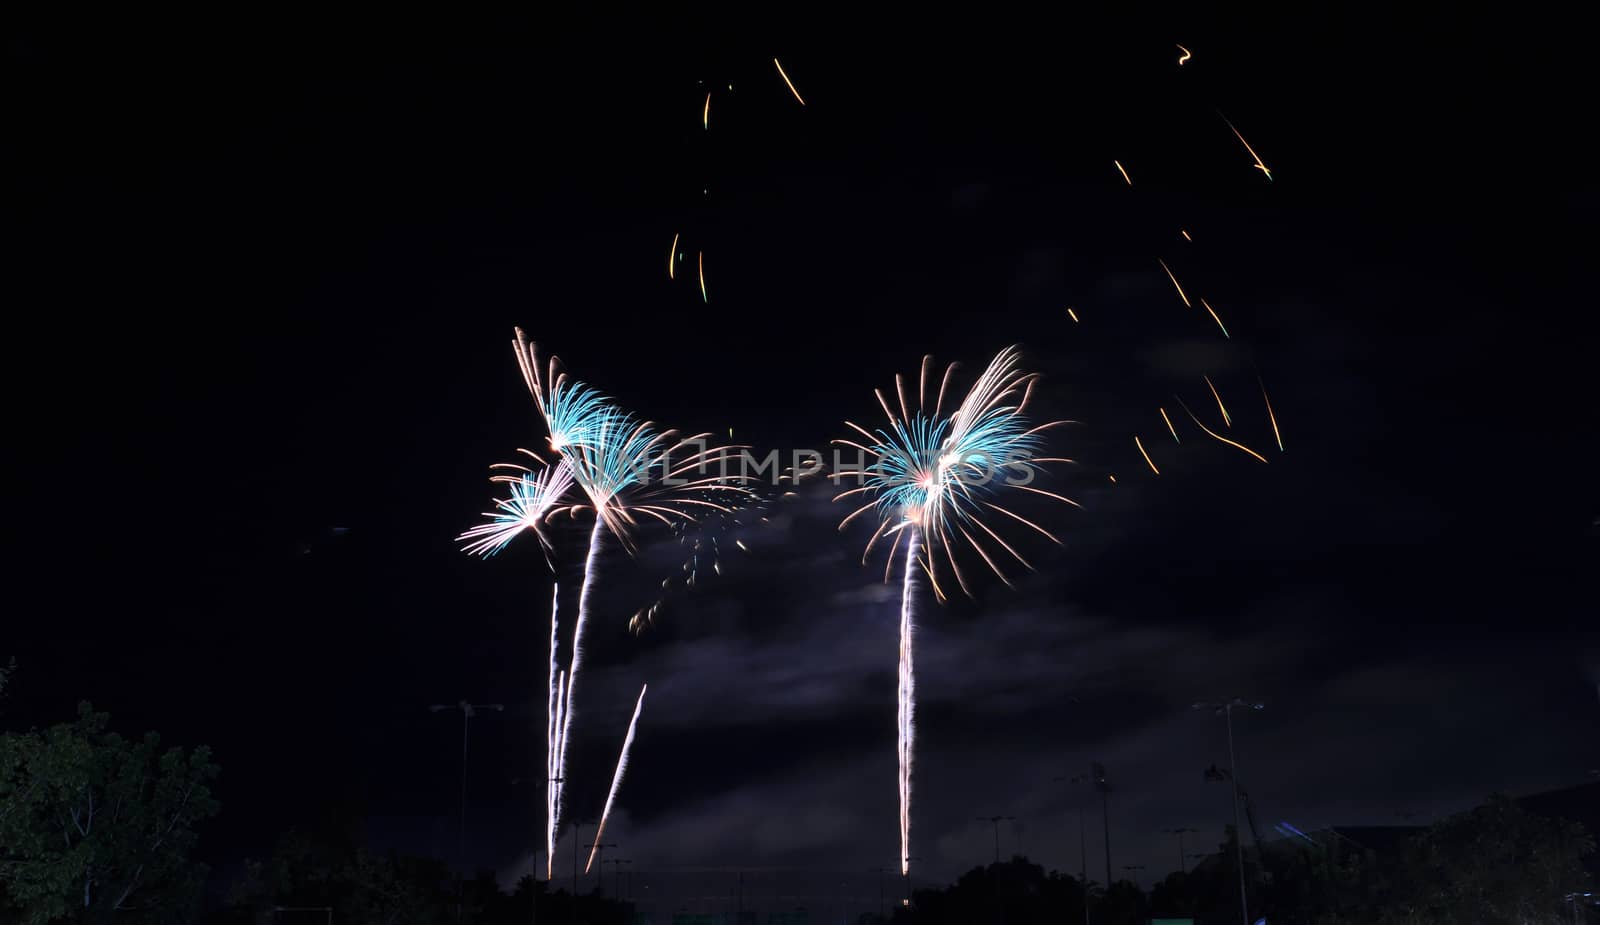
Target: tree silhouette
(95, 827)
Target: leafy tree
(98, 828)
(1495, 863)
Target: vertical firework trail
(589, 563)
(932, 484)
(616, 779)
(551, 746)
(908, 685)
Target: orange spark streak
(1270, 415)
(705, 116)
(1174, 283)
(788, 81)
(1185, 235)
(1218, 436)
(1123, 172)
(1259, 165)
(671, 273)
(1112, 478)
(1170, 428)
(1214, 394)
(1216, 319)
(703, 296)
(1145, 455)
(1073, 315)
(1186, 56)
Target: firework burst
(931, 482)
(533, 495)
(628, 472)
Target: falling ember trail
(1259, 165)
(1123, 172)
(1145, 455)
(703, 296)
(1073, 315)
(1185, 234)
(907, 704)
(1174, 282)
(1185, 56)
(1170, 428)
(1272, 417)
(1218, 436)
(1216, 319)
(616, 779)
(789, 82)
(705, 115)
(1214, 394)
(671, 273)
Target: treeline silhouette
(1496, 863)
(97, 828)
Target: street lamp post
(616, 867)
(995, 821)
(1182, 868)
(880, 872)
(906, 902)
(1225, 710)
(468, 710)
(1134, 869)
(599, 874)
(577, 840)
(1083, 849)
(538, 843)
(1097, 774)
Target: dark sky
(262, 280)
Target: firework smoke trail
(553, 788)
(907, 692)
(577, 644)
(616, 779)
(533, 495)
(552, 704)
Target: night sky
(262, 278)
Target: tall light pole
(1097, 774)
(468, 710)
(616, 867)
(538, 841)
(1225, 710)
(599, 874)
(577, 840)
(1083, 849)
(1182, 867)
(907, 878)
(995, 821)
(1134, 869)
(880, 871)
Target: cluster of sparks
(1216, 318)
(675, 256)
(932, 483)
